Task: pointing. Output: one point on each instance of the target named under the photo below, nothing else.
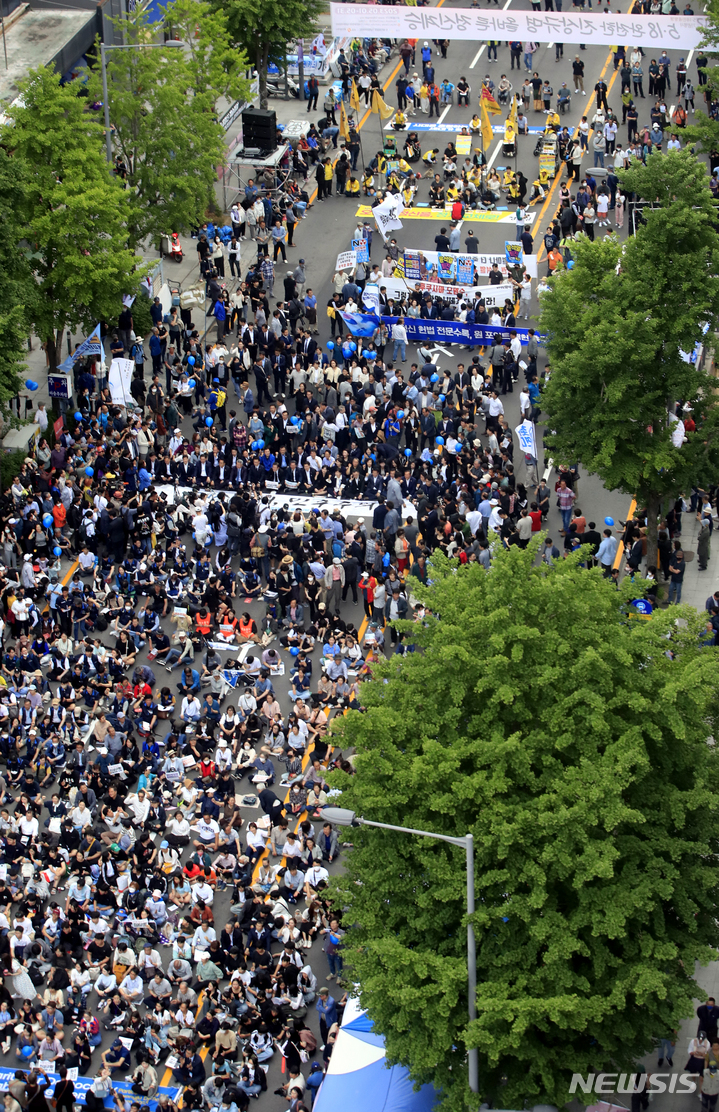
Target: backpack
(221, 398)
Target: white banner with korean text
(679, 32)
(491, 295)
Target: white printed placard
(678, 32)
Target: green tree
(72, 211)
(542, 719)
(164, 109)
(616, 342)
(262, 28)
(18, 284)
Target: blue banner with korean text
(454, 332)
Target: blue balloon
(191, 360)
(330, 345)
(400, 414)
(441, 399)
(353, 347)
(434, 378)
(27, 1052)
(367, 354)
(294, 420)
(408, 452)
(89, 472)
(385, 560)
(294, 651)
(570, 264)
(48, 521)
(30, 385)
(439, 440)
(191, 383)
(209, 422)
(608, 520)
(57, 550)
(260, 444)
(78, 415)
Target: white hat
(494, 501)
(27, 556)
(263, 529)
(224, 743)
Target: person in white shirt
(495, 521)
(315, 878)
(474, 520)
(40, 417)
(81, 816)
(86, 560)
(256, 840)
(292, 847)
(208, 831)
(191, 709)
(28, 827)
(149, 962)
(203, 936)
(139, 807)
(203, 891)
(177, 831)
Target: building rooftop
(35, 39)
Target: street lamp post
(342, 816)
(103, 62)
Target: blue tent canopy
(358, 1076)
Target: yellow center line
(620, 549)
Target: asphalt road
(328, 230)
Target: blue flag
(91, 346)
(361, 324)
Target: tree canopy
(262, 28)
(18, 284)
(71, 213)
(618, 324)
(164, 112)
(563, 735)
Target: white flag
(386, 215)
(370, 297)
(527, 438)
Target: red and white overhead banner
(679, 32)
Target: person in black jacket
(708, 1016)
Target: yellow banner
(487, 133)
(344, 125)
(471, 215)
(354, 97)
(378, 105)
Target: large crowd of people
(165, 703)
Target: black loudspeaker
(259, 129)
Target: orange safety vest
(246, 629)
(203, 624)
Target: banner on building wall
(680, 32)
